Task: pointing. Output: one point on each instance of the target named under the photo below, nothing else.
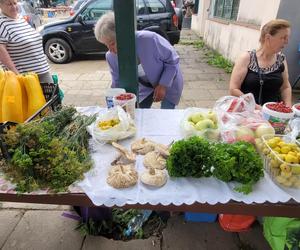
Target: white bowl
(297, 111)
(278, 120)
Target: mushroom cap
(142, 146)
(155, 160)
(122, 176)
(154, 177)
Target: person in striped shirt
(21, 46)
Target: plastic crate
(200, 217)
(50, 91)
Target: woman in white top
(21, 46)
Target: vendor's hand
(159, 93)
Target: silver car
(30, 14)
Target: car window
(155, 6)
(96, 9)
(140, 7)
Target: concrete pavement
(41, 227)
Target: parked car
(30, 14)
(75, 35)
(76, 6)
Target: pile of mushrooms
(123, 174)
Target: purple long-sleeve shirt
(160, 63)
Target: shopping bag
(282, 233)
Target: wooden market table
(289, 209)
(77, 197)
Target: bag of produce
(200, 122)
(113, 125)
(239, 121)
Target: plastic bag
(199, 122)
(235, 104)
(239, 121)
(124, 129)
(282, 233)
(293, 129)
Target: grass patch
(199, 44)
(216, 59)
(213, 58)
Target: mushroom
(124, 152)
(154, 160)
(154, 177)
(122, 176)
(142, 146)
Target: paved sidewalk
(41, 227)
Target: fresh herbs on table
(196, 157)
(48, 153)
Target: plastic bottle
(137, 222)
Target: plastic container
(127, 103)
(281, 159)
(278, 120)
(296, 110)
(110, 93)
(200, 217)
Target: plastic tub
(109, 95)
(127, 103)
(297, 111)
(282, 165)
(278, 120)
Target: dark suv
(76, 35)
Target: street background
(84, 81)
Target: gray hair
(105, 27)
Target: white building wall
(231, 38)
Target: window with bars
(227, 9)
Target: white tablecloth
(163, 126)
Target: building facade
(233, 26)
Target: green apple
(264, 129)
(196, 117)
(204, 124)
(242, 131)
(212, 116)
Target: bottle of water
(137, 222)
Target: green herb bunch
(48, 153)
(196, 157)
(189, 158)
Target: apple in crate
(204, 124)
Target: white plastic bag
(235, 104)
(208, 128)
(124, 129)
(238, 119)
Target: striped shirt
(24, 45)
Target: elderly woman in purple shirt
(160, 78)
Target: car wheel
(58, 50)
